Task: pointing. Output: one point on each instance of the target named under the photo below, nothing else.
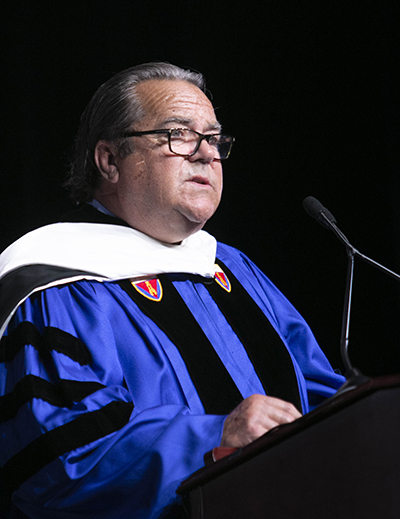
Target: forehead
(166, 101)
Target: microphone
(324, 217)
(315, 209)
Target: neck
(166, 233)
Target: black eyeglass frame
(169, 132)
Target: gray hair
(114, 110)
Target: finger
(255, 416)
(283, 410)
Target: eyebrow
(187, 122)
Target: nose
(205, 153)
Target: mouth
(198, 179)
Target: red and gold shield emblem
(222, 279)
(151, 288)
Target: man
(137, 343)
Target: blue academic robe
(110, 389)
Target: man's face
(161, 194)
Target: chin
(194, 217)
(201, 213)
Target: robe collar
(111, 251)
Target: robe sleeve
(80, 440)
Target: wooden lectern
(341, 461)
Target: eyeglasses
(186, 143)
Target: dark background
(309, 89)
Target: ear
(105, 158)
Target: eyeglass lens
(184, 142)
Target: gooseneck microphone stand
(315, 209)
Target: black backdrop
(309, 89)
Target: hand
(255, 416)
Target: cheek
(219, 181)
(159, 191)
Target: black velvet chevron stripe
(216, 389)
(18, 283)
(52, 339)
(45, 449)
(268, 354)
(63, 394)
